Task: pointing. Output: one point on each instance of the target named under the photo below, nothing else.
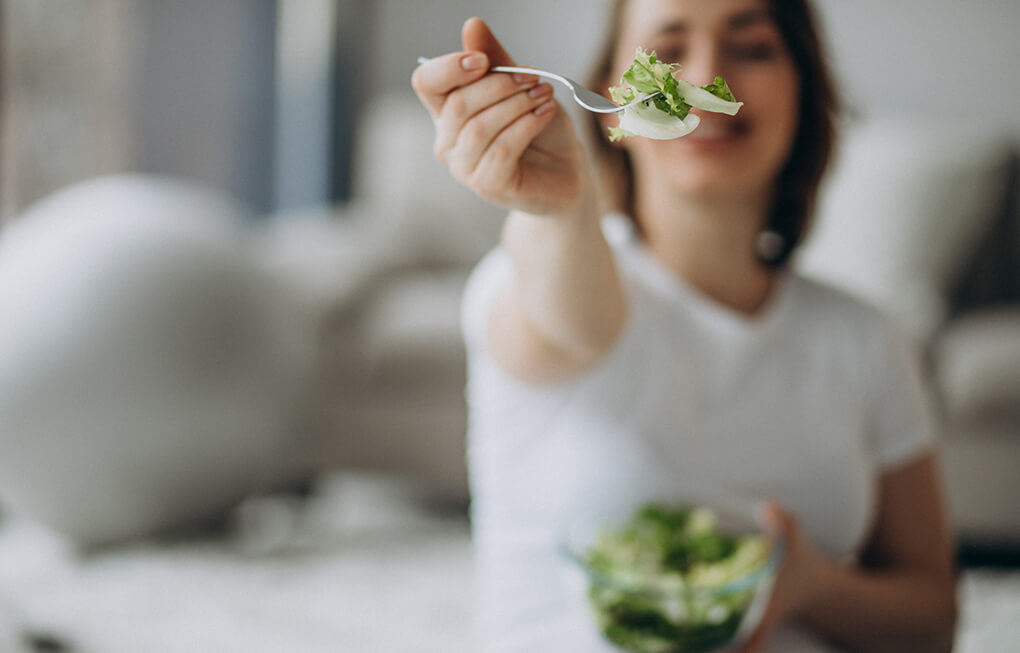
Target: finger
(465, 103)
(483, 130)
(501, 160)
(761, 635)
(437, 78)
(476, 36)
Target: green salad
(667, 115)
(657, 580)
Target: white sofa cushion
(902, 210)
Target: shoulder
(492, 273)
(885, 363)
(832, 322)
(860, 334)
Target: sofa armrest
(977, 364)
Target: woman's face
(735, 39)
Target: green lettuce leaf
(617, 133)
(674, 97)
(720, 89)
(648, 75)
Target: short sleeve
(492, 274)
(902, 421)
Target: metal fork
(588, 99)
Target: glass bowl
(655, 583)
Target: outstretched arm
(504, 137)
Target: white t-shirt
(806, 403)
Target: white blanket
(358, 567)
(361, 566)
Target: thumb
(476, 36)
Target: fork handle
(532, 71)
(519, 69)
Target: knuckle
(507, 85)
(460, 171)
(417, 81)
(474, 131)
(456, 105)
(439, 150)
(518, 103)
(488, 181)
(500, 150)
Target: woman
(680, 349)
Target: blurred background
(262, 97)
(326, 259)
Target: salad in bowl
(673, 577)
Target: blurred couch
(370, 372)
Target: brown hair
(798, 181)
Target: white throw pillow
(902, 211)
(154, 372)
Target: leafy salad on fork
(667, 115)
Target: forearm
(566, 286)
(883, 610)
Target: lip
(717, 133)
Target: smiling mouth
(719, 130)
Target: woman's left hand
(796, 581)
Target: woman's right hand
(501, 135)
(518, 149)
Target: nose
(703, 61)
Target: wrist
(584, 214)
(582, 206)
(569, 193)
(566, 231)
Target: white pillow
(902, 211)
(154, 373)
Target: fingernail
(544, 108)
(473, 62)
(521, 78)
(540, 91)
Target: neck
(710, 243)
